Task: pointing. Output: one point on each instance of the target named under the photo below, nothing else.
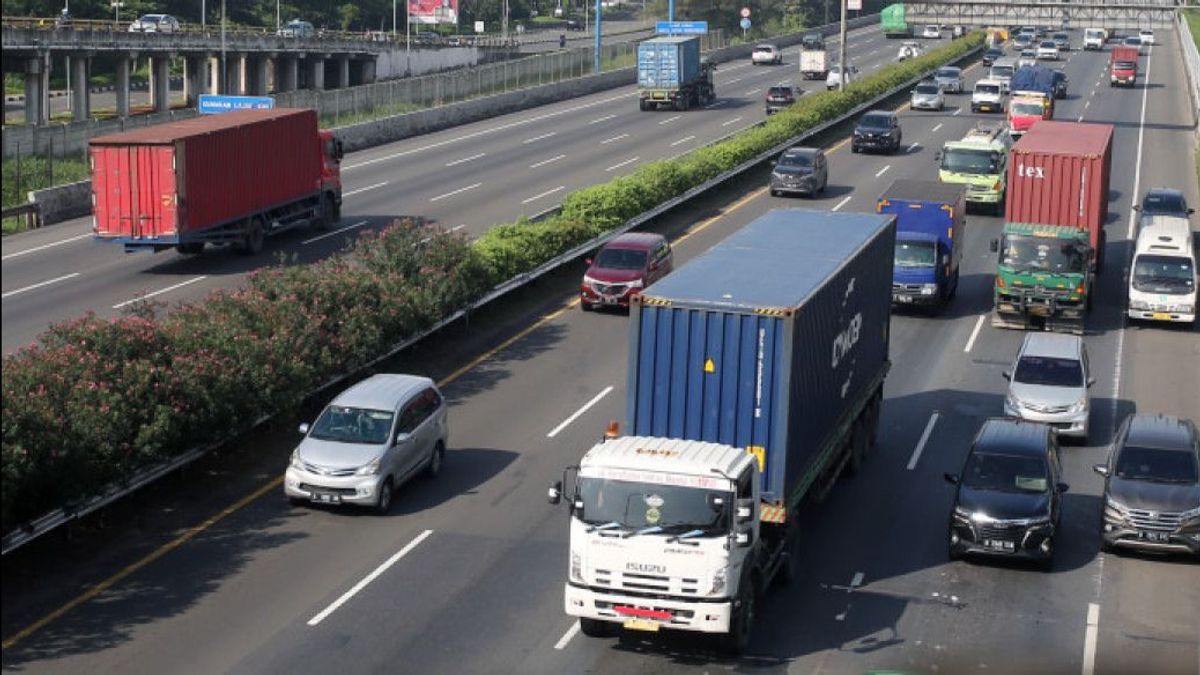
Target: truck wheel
(252, 241)
(595, 628)
(331, 213)
(790, 571)
(191, 248)
(858, 448)
(737, 639)
(643, 105)
(1100, 246)
(873, 418)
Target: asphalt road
(466, 574)
(104, 100)
(472, 176)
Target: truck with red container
(1051, 247)
(1123, 66)
(231, 178)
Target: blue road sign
(681, 27)
(745, 24)
(210, 104)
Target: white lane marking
(364, 189)
(750, 92)
(883, 171)
(1137, 172)
(1089, 639)
(1086, 104)
(956, 112)
(736, 79)
(732, 121)
(544, 162)
(547, 192)
(614, 138)
(912, 147)
(465, 159)
(160, 291)
(482, 132)
(368, 579)
(669, 120)
(574, 416)
(683, 140)
(602, 119)
(857, 580)
(538, 138)
(451, 194)
(562, 641)
(340, 230)
(916, 456)
(974, 334)
(840, 204)
(456, 228)
(939, 126)
(714, 105)
(1079, 119)
(45, 246)
(614, 167)
(47, 282)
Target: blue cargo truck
(671, 74)
(930, 228)
(756, 376)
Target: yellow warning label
(760, 453)
(709, 366)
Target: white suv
(1093, 38)
(766, 54)
(831, 81)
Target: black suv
(1152, 486)
(1009, 497)
(800, 170)
(1061, 81)
(877, 130)
(780, 97)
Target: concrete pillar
(122, 86)
(368, 71)
(195, 76)
(258, 79)
(343, 72)
(37, 97)
(233, 74)
(80, 94)
(287, 73)
(214, 75)
(316, 72)
(160, 83)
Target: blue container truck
(930, 229)
(671, 74)
(1036, 79)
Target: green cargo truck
(894, 23)
(979, 162)
(1043, 277)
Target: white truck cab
(1163, 281)
(1093, 38)
(988, 95)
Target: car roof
(1012, 436)
(641, 241)
(880, 113)
(955, 69)
(1053, 345)
(802, 152)
(383, 391)
(1165, 432)
(1164, 191)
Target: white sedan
(1147, 36)
(766, 54)
(932, 32)
(1047, 50)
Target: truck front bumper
(1152, 315)
(916, 294)
(630, 611)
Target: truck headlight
(636, 283)
(369, 469)
(1138, 304)
(928, 289)
(576, 567)
(718, 582)
(1184, 309)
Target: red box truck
(1122, 66)
(231, 178)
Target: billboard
(433, 11)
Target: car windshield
(1136, 41)
(1048, 44)
(1164, 202)
(1026, 108)
(1024, 253)
(796, 160)
(1049, 371)
(951, 73)
(621, 259)
(970, 161)
(1158, 273)
(987, 88)
(635, 505)
(1060, 36)
(1002, 71)
(1157, 465)
(353, 425)
(915, 254)
(875, 121)
(763, 48)
(928, 89)
(1006, 473)
(779, 91)
(994, 53)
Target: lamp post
(277, 24)
(117, 5)
(845, 67)
(203, 14)
(224, 79)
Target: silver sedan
(949, 78)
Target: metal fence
(1191, 62)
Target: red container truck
(232, 178)
(1122, 66)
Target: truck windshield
(1024, 253)
(352, 425)
(990, 89)
(1163, 274)
(1027, 108)
(970, 161)
(1124, 65)
(1002, 72)
(1005, 473)
(675, 509)
(915, 254)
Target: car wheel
(774, 192)
(435, 460)
(952, 553)
(585, 306)
(854, 149)
(383, 503)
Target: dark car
(780, 97)
(990, 56)
(572, 24)
(625, 266)
(1061, 81)
(1164, 202)
(801, 171)
(1008, 498)
(1062, 40)
(877, 130)
(1152, 486)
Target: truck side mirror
(1101, 469)
(338, 151)
(951, 478)
(994, 246)
(1007, 374)
(744, 510)
(554, 494)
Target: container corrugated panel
(203, 172)
(767, 339)
(668, 62)
(1059, 175)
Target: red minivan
(625, 266)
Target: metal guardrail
(27, 532)
(30, 212)
(1191, 63)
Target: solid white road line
(916, 456)
(562, 641)
(602, 119)
(736, 79)
(340, 230)
(1089, 639)
(750, 92)
(40, 284)
(857, 580)
(614, 138)
(883, 171)
(683, 140)
(451, 194)
(538, 138)
(1086, 104)
(46, 246)
(465, 159)
(974, 334)
(364, 189)
(614, 167)
(544, 162)
(840, 204)
(956, 112)
(1137, 171)
(912, 147)
(160, 291)
(669, 120)
(574, 416)
(732, 121)
(369, 578)
(547, 192)
(939, 126)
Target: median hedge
(95, 400)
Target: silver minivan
(1003, 70)
(368, 441)
(1049, 383)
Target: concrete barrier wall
(399, 63)
(72, 137)
(63, 202)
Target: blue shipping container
(668, 62)
(1033, 78)
(930, 231)
(767, 340)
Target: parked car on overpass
(155, 23)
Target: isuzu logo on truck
(646, 567)
(845, 340)
(1031, 171)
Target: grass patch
(1193, 20)
(34, 173)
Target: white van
(1162, 284)
(1003, 70)
(988, 96)
(1093, 38)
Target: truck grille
(1155, 520)
(906, 288)
(647, 583)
